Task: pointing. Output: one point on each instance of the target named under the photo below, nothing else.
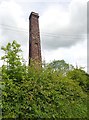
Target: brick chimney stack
(34, 38)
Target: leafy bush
(81, 77)
(28, 92)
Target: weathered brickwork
(34, 38)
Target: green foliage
(28, 92)
(81, 77)
(61, 66)
(13, 68)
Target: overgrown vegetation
(58, 90)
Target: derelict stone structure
(34, 38)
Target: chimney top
(34, 14)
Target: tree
(13, 72)
(44, 93)
(61, 66)
(13, 61)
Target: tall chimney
(34, 38)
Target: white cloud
(12, 25)
(66, 23)
(75, 55)
(68, 26)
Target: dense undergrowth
(56, 90)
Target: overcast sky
(63, 28)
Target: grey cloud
(70, 35)
(11, 23)
(59, 37)
(88, 18)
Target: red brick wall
(34, 38)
